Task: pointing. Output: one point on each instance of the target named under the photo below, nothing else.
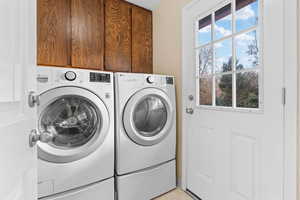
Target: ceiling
(148, 4)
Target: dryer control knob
(150, 79)
(70, 76)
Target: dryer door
(78, 121)
(148, 116)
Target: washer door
(77, 118)
(148, 116)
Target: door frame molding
(290, 74)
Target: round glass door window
(150, 116)
(73, 120)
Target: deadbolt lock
(189, 111)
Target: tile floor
(176, 194)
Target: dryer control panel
(147, 80)
(170, 80)
(159, 80)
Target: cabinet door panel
(142, 40)
(117, 36)
(53, 18)
(87, 33)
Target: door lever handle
(189, 111)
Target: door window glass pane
(247, 50)
(223, 56)
(73, 120)
(205, 60)
(204, 31)
(223, 21)
(228, 49)
(206, 90)
(246, 14)
(224, 90)
(150, 116)
(247, 91)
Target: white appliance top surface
(148, 4)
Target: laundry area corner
(86, 153)
(149, 99)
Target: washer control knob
(70, 76)
(150, 79)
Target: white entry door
(18, 173)
(233, 87)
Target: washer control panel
(70, 76)
(99, 77)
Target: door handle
(33, 100)
(189, 111)
(44, 137)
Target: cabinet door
(141, 40)
(87, 34)
(53, 18)
(117, 36)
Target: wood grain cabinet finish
(117, 36)
(111, 35)
(87, 18)
(142, 40)
(53, 32)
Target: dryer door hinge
(284, 96)
(33, 100)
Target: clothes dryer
(145, 135)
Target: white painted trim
(182, 182)
(298, 111)
(291, 108)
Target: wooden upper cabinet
(117, 36)
(87, 18)
(142, 40)
(53, 34)
(111, 35)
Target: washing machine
(76, 124)
(145, 135)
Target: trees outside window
(229, 60)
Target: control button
(70, 76)
(150, 79)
